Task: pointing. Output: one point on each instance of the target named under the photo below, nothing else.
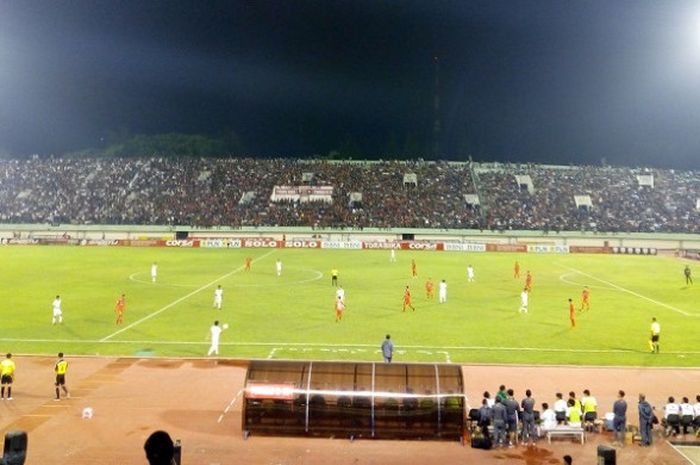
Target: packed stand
(209, 192)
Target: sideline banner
(464, 247)
(506, 248)
(589, 249)
(548, 248)
(347, 245)
(220, 243)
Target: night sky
(544, 81)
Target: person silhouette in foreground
(160, 449)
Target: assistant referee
(60, 369)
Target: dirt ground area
(132, 397)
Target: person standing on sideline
(523, 301)
(334, 277)
(442, 292)
(60, 369)
(387, 349)
(620, 418)
(214, 335)
(7, 375)
(528, 405)
(278, 267)
(646, 414)
(218, 297)
(655, 334)
(470, 274)
(687, 273)
(57, 312)
(119, 308)
(154, 272)
(572, 313)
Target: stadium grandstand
(348, 194)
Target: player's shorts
(655, 338)
(60, 380)
(6, 379)
(57, 312)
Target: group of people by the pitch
(8, 368)
(511, 420)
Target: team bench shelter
(354, 400)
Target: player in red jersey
(248, 262)
(407, 300)
(572, 313)
(414, 269)
(429, 289)
(528, 282)
(339, 309)
(516, 270)
(585, 299)
(119, 308)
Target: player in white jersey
(392, 256)
(442, 292)
(523, 301)
(57, 312)
(340, 294)
(278, 267)
(214, 335)
(154, 272)
(218, 297)
(470, 274)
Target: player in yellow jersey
(7, 376)
(60, 369)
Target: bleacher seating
(236, 192)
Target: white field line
(681, 453)
(230, 405)
(272, 353)
(175, 302)
(620, 288)
(310, 346)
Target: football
(225, 325)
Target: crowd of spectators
(237, 192)
(619, 203)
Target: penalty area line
(177, 301)
(620, 288)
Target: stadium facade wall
(537, 241)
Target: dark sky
(547, 81)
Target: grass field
(292, 316)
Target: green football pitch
(292, 316)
